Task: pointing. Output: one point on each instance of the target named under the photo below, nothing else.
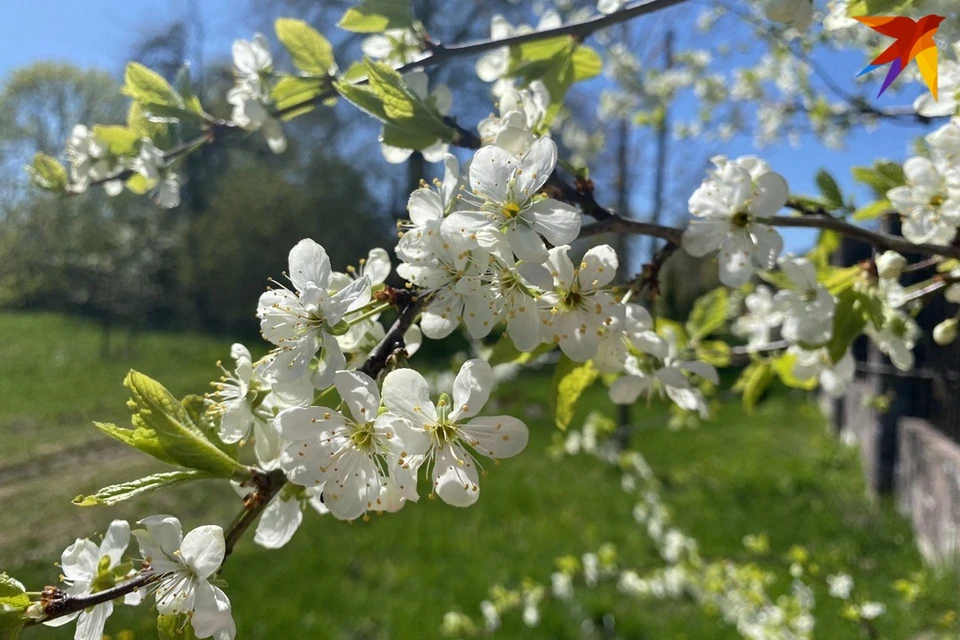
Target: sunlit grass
(778, 472)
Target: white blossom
(90, 161)
(505, 196)
(840, 585)
(761, 318)
(726, 205)
(896, 338)
(833, 376)
(807, 310)
(578, 310)
(929, 201)
(88, 569)
(184, 565)
(452, 428)
(350, 455)
(301, 322)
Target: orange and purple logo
(914, 40)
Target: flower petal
(471, 389)
(496, 436)
(407, 394)
(203, 549)
(309, 263)
(455, 477)
(360, 393)
(280, 520)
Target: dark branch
(873, 238)
(616, 224)
(56, 603)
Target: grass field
(777, 472)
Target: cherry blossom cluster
(177, 570)
(91, 161)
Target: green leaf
(872, 210)
(709, 314)
(291, 91)
(837, 280)
(185, 88)
(140, 124)
(148, 87)
(376, 16)
(363, 98)
(832, 196)
(175, 627)
(570, 380)
(586, 63)
(13, 602)
(827, 244)
(48, 174)
(405, 138)
(116, 493)
(120, 141)
(411, 120)
(714, 352)
(198, 409)
(783, 365)
(310, 51)
(753, 382)
(881, 177)
(163, 428)
(849, 319)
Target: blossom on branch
(726, 206)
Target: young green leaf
(163, 428)
(309, 50)
(830, 190)
(290, 91)
(120, 141)
(849, 319)
(376, 16)
(48, 174)
(570, 380)
(753, 382)
(709, 314)
(148, 87)
(13, 602)
(872, 210)
(784, 365)
(116, 493)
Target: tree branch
(874, 238)
(56, 603)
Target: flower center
(105, 579)
(740, 219)
(571, 300)
(510, 210)
(937, 200)
(444, 430)
(362, 437)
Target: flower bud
(890, 264)
(945, 332)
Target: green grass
(777, 472)
(55, 378)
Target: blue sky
(101, 33)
